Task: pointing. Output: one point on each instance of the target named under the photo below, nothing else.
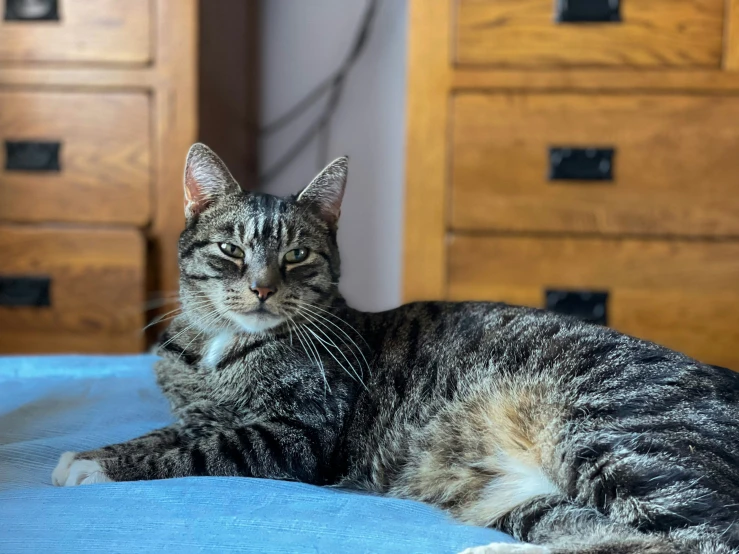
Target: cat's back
(446, 370)
(484, 331)
(432, 350)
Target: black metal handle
(25, 291)
(587, 305)
(581, 164)
(27, 155)
(31, 10)
(588, 11)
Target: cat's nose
(263, 292)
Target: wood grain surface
(116, 83)
(683, 294)
(675, 167)
(88, 31)
(97, 289)
(652, 34)
(176, 129)
(105, 155)
(424, 252)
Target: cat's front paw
(70, 472)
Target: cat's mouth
(256, 320)
(261, 311)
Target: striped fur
(565, 434)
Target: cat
(569, 436)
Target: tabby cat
(567, 435)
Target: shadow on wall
(303, 43)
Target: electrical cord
(333, 85)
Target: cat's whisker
(307, 308)
(299, 333)
(164, 317)
(168, 341)
(167, 316)
(328, 343)
(319, 361)
(331, 314)
(354, 374)
(164, 301)
(158, 320)
(353, 347)
(210, 317)
(304, 311)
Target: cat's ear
(326, 191)
(206, 179)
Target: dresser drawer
(75, 157)
(67, 290)
(671, 159)
(89, 31)
(641, 33)
(683, 294)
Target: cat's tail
(561, 526)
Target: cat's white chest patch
(216, 348)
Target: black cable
(305, 139)
(306, 102)
(335, 84)
(313, 96)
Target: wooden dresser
(581, 156)
(97, 111)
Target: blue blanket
(52, 404)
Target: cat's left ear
(326, 191)
(207, 179)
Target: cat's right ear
(206, 179)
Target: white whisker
(307, 307)
(209, 318)
(164, 317)
(316, 359)
(328, 342)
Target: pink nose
(262, 292)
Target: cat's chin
(256, 322)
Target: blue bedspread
(52, 404)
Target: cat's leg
(522, 474)
(565, 526)
(84, 467)
(554, 524)
(645, 480)
(277, 450)
(610, 501)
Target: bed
(57, 403)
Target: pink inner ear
(195, 199)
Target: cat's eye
(231, 250)
(297, 255)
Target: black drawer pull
(32, 156)
(31, 10)
(581, 164)
(588, 11)
(25, 291)
(589, 306)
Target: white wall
(303, 41)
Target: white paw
(61, 471)
(507, 548)
(70, 472)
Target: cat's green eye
(231, 250)
(296, 256)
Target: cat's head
(250, 261)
